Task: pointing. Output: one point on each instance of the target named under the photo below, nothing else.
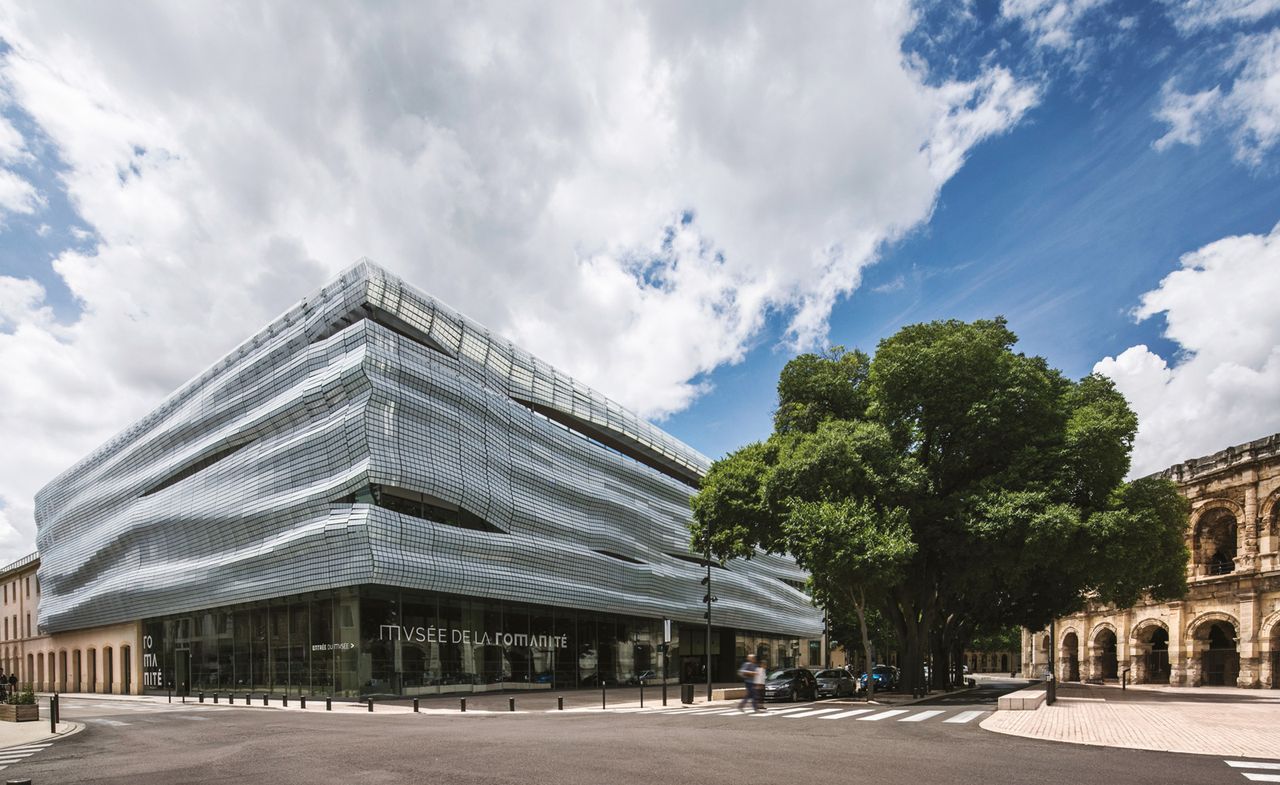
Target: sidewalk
(1203, 720)
(14, 734)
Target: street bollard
(371, 704)
(464, 703)
(202, 697)
(215, 697)
(560, 703)
(248, 699)
(302, 700)
(284, 701)
(328, 703)
(170, 694)
(664, 690)
(53, 714)
(415, 705)
(642, 693)
(511, 704)
(603, 701)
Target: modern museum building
(377, 496)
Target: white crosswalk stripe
(1253, 776)
(884, 715)
(12, 755)
(844, 714)
(922, 716)
(964, 716)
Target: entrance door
(126, 665)
(182, 671)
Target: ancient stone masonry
(1226, 631)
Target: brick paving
(1204, 720)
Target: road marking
(202, 719)
(884, 715)
(965, 716)
(780, 712)
(922, 716)
(32, 747)
(1261, 777)
(813, 713)
(1248, 764)
(102, 721)
(844, 714)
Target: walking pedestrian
(748, 674)
(758, 694)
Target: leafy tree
(954, 484)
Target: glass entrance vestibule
(373, 640)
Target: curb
(75, 727)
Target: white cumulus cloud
(626, 189)
(1247, 108)
(1223, 388)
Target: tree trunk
(860, 606)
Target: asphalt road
(206, 744)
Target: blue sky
(1060, 225)
(668, 201)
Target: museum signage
(396, 632)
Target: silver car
(834, 683)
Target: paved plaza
(1204, 720)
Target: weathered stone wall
(1227, 629)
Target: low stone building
(1226, 631)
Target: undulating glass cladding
(369, 440)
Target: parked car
(884, 676)
(835, 683)
(791, 684)
(643, 677)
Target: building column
(1247, 558)
(1247, 645)
(1177, 647)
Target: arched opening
(39, 673)
(1106, 664)
(1215, 543)
(1069, 657)
(108, 671)
(92, 672)
(1215, 642)
(126, 669)
(76, 671)
(1004, 662)
(1150, 662)
(30, 675)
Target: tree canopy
(950, 484)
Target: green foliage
(814, 388)
(950, 482)
(25, 698)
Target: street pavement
(936, 741)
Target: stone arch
(1216, 531)
(1269, 651)
(1104, 649)
(1068, 655)
(1149, 652)
(1212, 646)
(1269, 514)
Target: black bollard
(415, 705)
(371, 704)
(215, 697)
(560, 703)
(247, 699)
(464, 703)
(303, 701)
(511, 704)
(264, 699)
(328, 703)
(169, 692)
(202, 697)
(642, 693)
(604, 704)
(53, 713)
(664, 691)
(284, 700)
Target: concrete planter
(19, 713)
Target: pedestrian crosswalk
(837, 712)
(12, 755)
(1257, 771)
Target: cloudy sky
(667, 200)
